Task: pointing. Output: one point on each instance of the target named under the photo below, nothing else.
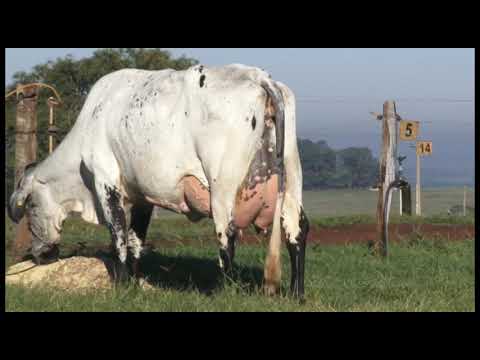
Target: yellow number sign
(424, 148)
(408, 130)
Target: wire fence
(339, 99)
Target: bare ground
(365, 233)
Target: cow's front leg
(227, 241)
(226, 233)
(112, 205)
(140, 219)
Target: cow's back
(170, 124)
(160, 126)
(125, 117)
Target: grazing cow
(204, 142)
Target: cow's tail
(279, 105)
(18, 199)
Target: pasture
(424, 272)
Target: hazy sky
(337, 88)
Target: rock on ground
(75, 273)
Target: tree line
(325, 168)
(73, 78)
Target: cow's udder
(253, 205)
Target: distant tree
(361, 165)
(324, 167)
(318, 163)
(73, 78)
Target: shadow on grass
(182, 272)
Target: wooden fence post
(406, 199)
(25, 153)
(418, 190)
(388, 158)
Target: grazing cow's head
(33, 199)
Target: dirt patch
(365, 233)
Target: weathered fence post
(388, 159)
(25, 153)
(406, 199)
(423, 148)
(418, 195)
(465, 200)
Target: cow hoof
(299, 297)
(270, 289)
(225, 262)
(134, 269)
(48, 257)
(228, 273)
(121, 274)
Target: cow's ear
(21, 195)
(30, 166)
(17, 205)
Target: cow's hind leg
(294, 220)
(273, 270)
(296, 226)
(139, 220)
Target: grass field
(419, 275)
(428, 276)
(435, 201)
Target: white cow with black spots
(218, 142)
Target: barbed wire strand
(320, 99)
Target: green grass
(425, 276)
(419, 275)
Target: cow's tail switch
(278, 103)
